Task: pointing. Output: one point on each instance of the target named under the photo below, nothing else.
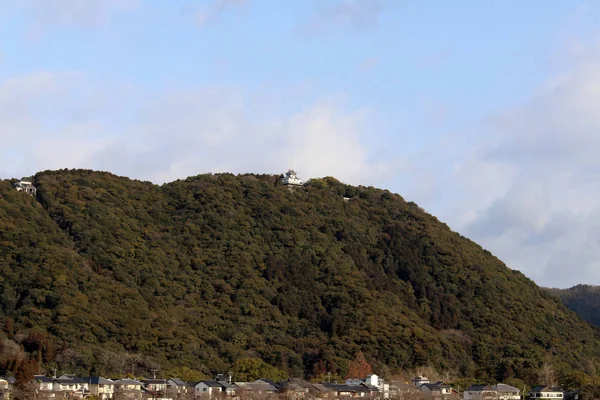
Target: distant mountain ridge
(583, 299)
(212, 269)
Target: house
(155, 385)
(128, 388)
(291, 179)
(229, 389)
(345, 390)
(321, 391)
(438, 391)
(403, 390)
(44, 383)
(419, 380)
(546, 393)
(100, 387)
(478, 392)
(506, 392)
(177, 386)
(26, 186)
(499, 391)
(71, 384)
(374, 384)
(257, 388)
(223, 378)
(208, 388)
(295, 388)
(4, 389)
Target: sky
(485, 113)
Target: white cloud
(533, 180)
(173, 135)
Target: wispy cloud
(534, 179)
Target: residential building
(128, 388)
(419, 380)
(44, 383)
(101, 387)
(71, 385)
(345, 390)
(373, 383)
(223, 378)
(499, 391)
(546, 393)
(177, 386)
(295, 388)
(478, 392)
(5, 389)
(321, 391)
(403, 390)
(208, 388)
(155, 385)
(438, 391)
(26, 186)
(506, 392)
(257, 388)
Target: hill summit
(212, 269)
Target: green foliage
(589, 392)
(574, 380)
(251, 369)
(215, 269)
(187, 374)
(583, 299)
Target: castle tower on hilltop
(290, 178)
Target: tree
(24, 392)
(573, 380)
(327, 377)
(187, 374)
(25, 372)
(359, 368)
(251, 369)
(547, 374)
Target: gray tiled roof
(502, 387)
(177, 381)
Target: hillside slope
(205, 271)
(583, 299)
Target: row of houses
(499, 391)
(75, 387)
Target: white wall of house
(479, 394)
(546, 395)
(203, 389)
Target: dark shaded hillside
(215, 268)
(583, 299)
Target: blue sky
(483, 112)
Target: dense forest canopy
(100, 271)
(583, 299)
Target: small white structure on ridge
(25, 186)
(291, 179)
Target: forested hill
(583, 299)
(215, 268)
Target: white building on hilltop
(25, 186)
(291, 179)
